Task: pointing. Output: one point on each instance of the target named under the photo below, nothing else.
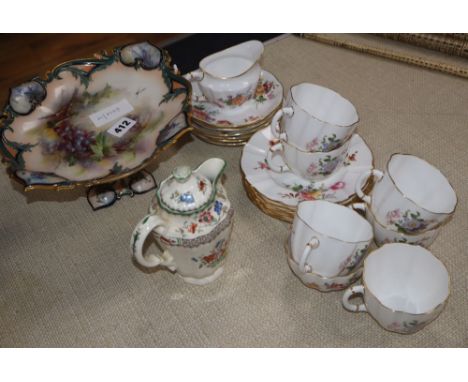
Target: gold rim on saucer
(252, 125)
(282, 211)
(226, 138)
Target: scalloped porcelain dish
(93, 121)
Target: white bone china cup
(230, 77)
(315, 118)
(404, 287)
(313, 166)
(328, 239)
(411, 196)
(384, 235)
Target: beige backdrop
(67, 279)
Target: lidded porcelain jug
(191, 220)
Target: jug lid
(185, 191)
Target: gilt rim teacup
(328, 239)
(315, 118)
(411, 196)
(312, 166)
(384, 235)
(404, 287)
(323, 284)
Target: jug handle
(140, 233)
(197, 75)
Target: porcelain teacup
(229, 78)
(384, 235)
(324, 284)
(315, 118)
(328, 239)
(412, 196)
(312, 166)
(404, 287)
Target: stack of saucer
(234, 125)
(232, 97)
(314, 153)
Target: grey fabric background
(67, 279)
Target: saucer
(291, 189)
(238, 137)
(287, 189)
(266, 101)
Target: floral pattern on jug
(237, 100)
(214, 258)
(408, 221)
(264, 91)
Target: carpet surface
(67, 278)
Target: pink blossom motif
(338, 186)
(312, 168)
(312, 145)
(395, 214)
(273, 142)
(262, 166)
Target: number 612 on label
(121, 127)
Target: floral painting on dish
(89, 119)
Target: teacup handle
(312, 244)
(359, 207)
(374, 172)
(197, 75)
(140, 233)
(275, 126)
(274, 150)
(350, 292)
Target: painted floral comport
(191, 219)
(93, 121)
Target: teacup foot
(205, 280)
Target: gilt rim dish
(63, 130)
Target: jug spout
(212, 169)
(251, 49)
